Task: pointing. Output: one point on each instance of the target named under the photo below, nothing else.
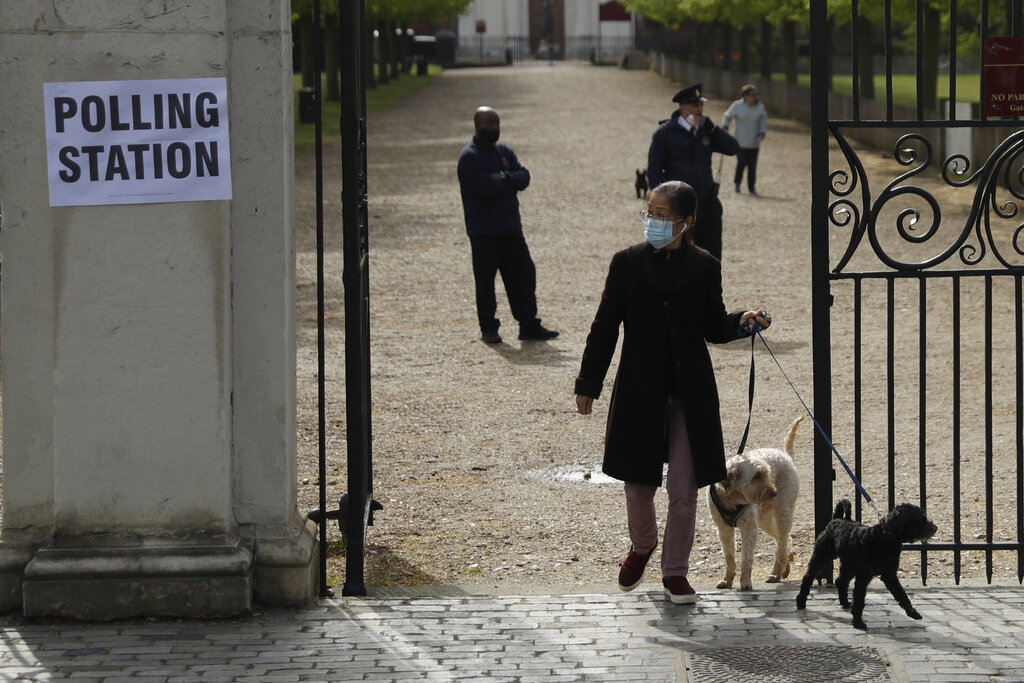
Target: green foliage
(738, 13)
(904, 21)
(904, 86)
(303, 9)
(402, 11)
(381, 97)
(669, 13)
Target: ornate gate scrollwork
(1000, 188)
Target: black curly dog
(865, 552)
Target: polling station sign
(137, 142)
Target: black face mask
(488, 136)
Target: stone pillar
(149, 349)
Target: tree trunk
(930, 61)
(383, 74)
(310, 59)
(767, 31)
(1014, 19)
(789, 51)
(705, 45)
(403, 49)
(830, 28)
(725, 32)
(698, 44)
(332, 58)
(746, 49)
(368, 60)
(865, 58)
(392, 49)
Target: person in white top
(751, 125)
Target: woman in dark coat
(666, 293)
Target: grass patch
(381, 97)
(904, 87)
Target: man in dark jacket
(681, 149)
(490, 177)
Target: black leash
(750, 392)
(731, 517)
(756, 332)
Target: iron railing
(356, 507)
(594, 49)
(921, 272)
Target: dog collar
(730, 517)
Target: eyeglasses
(657, 216)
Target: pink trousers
(682, 502)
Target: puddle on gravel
(575, 474)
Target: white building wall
(499, 15)
(581, 18)
(517, 13)
(616, 29)
(506, 18)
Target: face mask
(488, 136)
(659, 233)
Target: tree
(387, 15)
(738, 14)
(390, 14)
(904, 21)
(302, 12)
(789, 14)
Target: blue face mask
(659, 233)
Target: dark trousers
(747, 159)
(509, 255)
(708, 225)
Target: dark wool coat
(665, 329)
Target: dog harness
(730, 517)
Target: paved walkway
(969, 633)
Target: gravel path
(486, 473)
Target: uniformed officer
(681, 149)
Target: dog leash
(757, 331)
(750, 392)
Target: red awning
(612, 11)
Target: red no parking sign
(1004, 76)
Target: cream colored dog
(760, 490)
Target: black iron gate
(917, 274)
(356, 507)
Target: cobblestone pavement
(968, 633)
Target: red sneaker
(631, 571)
(679, 590)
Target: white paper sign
(137, 142)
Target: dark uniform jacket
(677, 154)
(491, 207)
(666, 327)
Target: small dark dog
(641, 183)
(865, 552)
